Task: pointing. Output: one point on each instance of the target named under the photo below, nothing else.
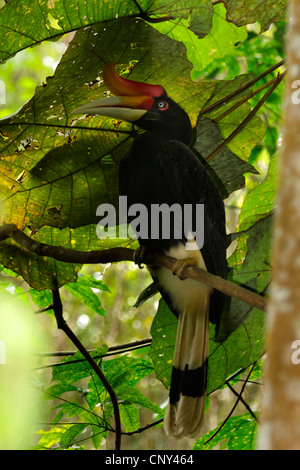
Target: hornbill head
(148, 106)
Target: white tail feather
(184, 414)
(185, 417)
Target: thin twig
(61, 324)
(117, 349)
(143, 343)
(279, 78)
(245, 99)
(80, 407)
(145, 428)
(242, 400)
(144, 15)
(233, 408)
(240, 89)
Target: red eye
(162, 105)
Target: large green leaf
(27, 23)
(56, 170)
(243, 12)
(228, 169)
(250, 263)
(201, 52)
(243, 143)
(73, 368)
(163, 332)
(260, 200)
(134, 396)
(70, 434)
(83, 290)
(130, 416)
(250, 267)
(239, 433)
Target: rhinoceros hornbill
(160, 169)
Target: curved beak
(127, 108)
(133, 99)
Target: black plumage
(161, 169)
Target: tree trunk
(281, 408)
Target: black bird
(161, 171)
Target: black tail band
(188, 382)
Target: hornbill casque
(161, 169)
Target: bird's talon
(180, 266)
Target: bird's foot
(180, 266)
(139, 256)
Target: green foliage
(238, 433)
(83, 289)
(83, 408)
(243, 12)
(39, 20)
(57, 168)
(202, 52)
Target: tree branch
(113, 255)
(66, 255)
(61, 324)
(227, 287)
